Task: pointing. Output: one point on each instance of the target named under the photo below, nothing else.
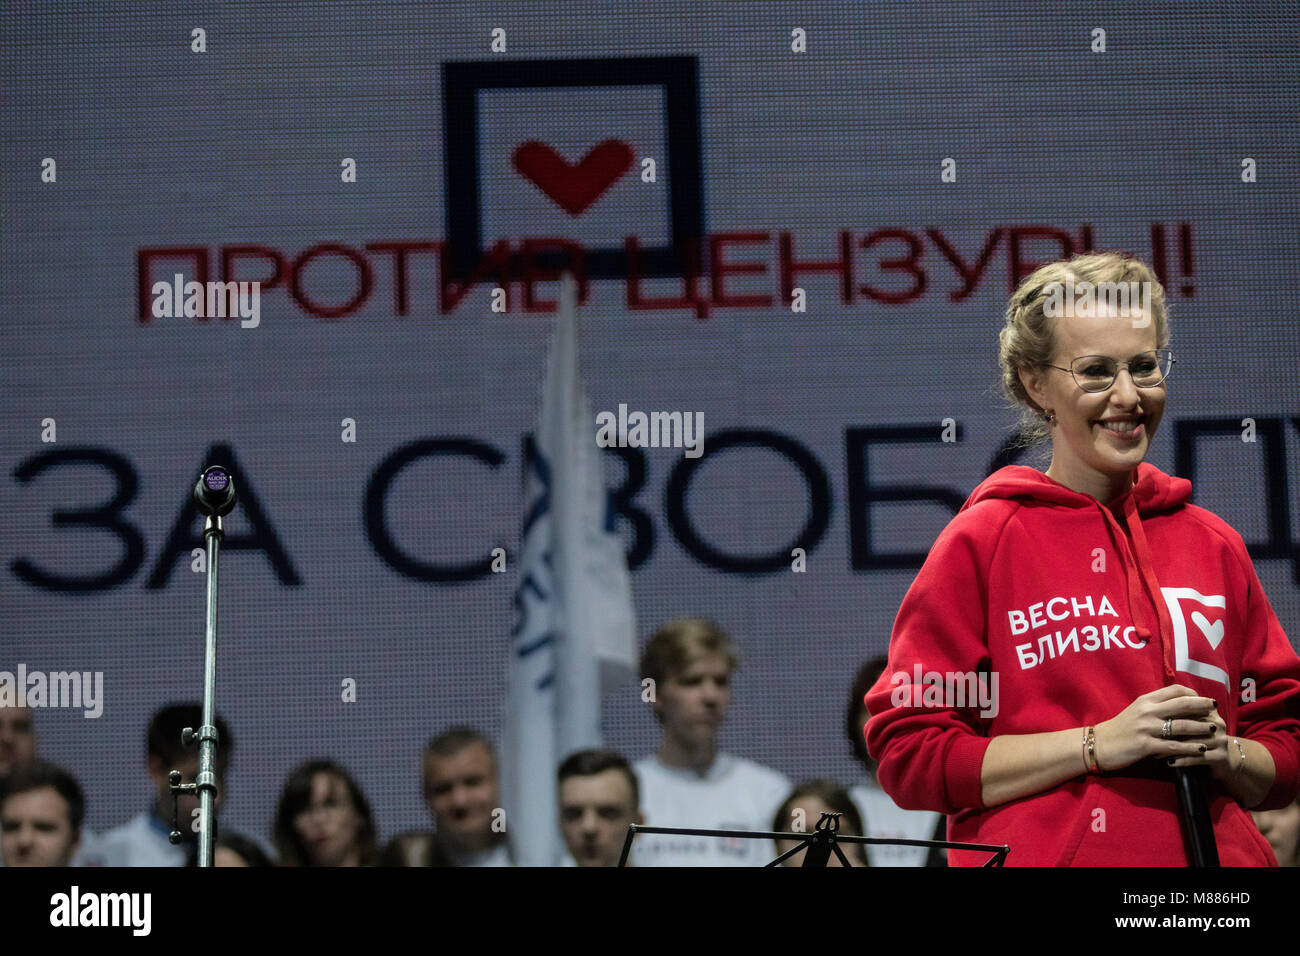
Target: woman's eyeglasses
(1096, 373)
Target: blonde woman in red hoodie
(1074, 634)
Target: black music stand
(820, 843)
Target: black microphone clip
(215, 492)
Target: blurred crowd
(323, 818)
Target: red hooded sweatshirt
(1072, 609)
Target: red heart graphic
(573, 188)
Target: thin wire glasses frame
(1104, 370)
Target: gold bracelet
(1090, 750)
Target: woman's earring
(1049, 417)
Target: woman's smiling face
(1098, 438)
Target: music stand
(820, 843)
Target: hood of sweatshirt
(1153, 492)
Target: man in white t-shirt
(687, 782)
(881, 817)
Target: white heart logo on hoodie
(1213, 632)
(1183, 659)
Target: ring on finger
(1167, 730)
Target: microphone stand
(820, 844)
(215, 495)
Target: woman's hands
(1219, 754)
(1020, 765)
(1198, 736)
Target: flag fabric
(574, 633)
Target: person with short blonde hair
(680, 642)
(687, 782)
(1107, 623)
(1027, 341)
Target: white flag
(574, 634)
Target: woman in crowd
(801, 812)
(324, 819)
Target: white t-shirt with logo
(883, 818)
(733, 794)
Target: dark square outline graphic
(677, 75)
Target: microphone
(1193, 786)
(215, 492)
